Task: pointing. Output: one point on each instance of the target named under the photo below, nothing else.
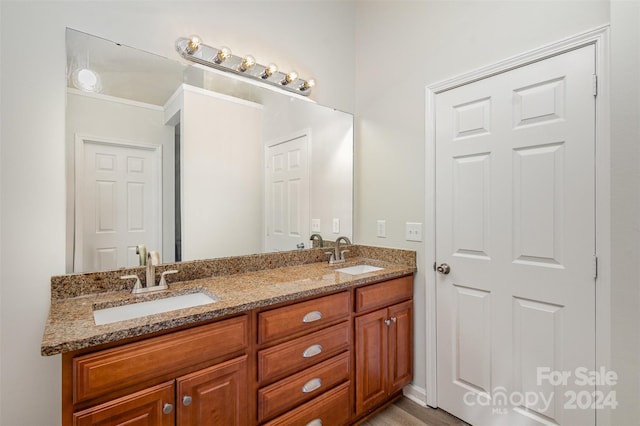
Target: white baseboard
(415, 394)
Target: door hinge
(595, 85)
(595, 267)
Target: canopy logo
(590, 397)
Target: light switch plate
(336, 225)
(413, 231)
(381, 229)
(315, 225)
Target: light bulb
(86, 80)
(289, 78)
(223, 54)
(247, 62)
(307, 85)
(194, 44)
(269, 71)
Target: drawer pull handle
(312, 351)
(312, 316)
(312, 385)
(315, 422)
(167, 408)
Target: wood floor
(405, 412)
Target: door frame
(78, 165)
(599, 37)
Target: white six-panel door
(117, 203)
(287, 196)
(515, 222)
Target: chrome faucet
(338, 255)
(153, 260)
(317, 237)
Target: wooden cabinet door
(400, 346)
(149, 407)
(217, 395)
(371, 360)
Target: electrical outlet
(315, 225)
(381, 229)
(336, 225)
(413, 231)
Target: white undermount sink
(158, 306)
(359, 269)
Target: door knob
(444, 269)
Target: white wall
(110, 118)
(32, 170)
(625, 209)
(403, 46)
(217, 135)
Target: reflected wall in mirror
(194, 163)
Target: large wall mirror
(194, 163)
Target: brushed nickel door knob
(444, 269)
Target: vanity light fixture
(193, 44)
(192, 49)
(307, 85)
(269, 71)
(223, 54)
(247, 62)
(289, 78)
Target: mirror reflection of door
(287, 195)
(118, 191)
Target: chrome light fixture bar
(194, 50)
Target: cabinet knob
(312, 385)
(387, 322)
(315, 422)
(394, 319)
(167, 408)
(186, 400)
(312, 316)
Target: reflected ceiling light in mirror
(192, 49)
(86, 80)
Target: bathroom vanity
(289, 341)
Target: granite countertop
(70, 325)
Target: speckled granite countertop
(70, 325)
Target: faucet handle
(137, 285)
(163, 280)
(342, 252)
(330, 254)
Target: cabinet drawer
(383, 294)
(157, 358)
(293, 356)
(282, 322)
(287, 393)
(331, 408)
